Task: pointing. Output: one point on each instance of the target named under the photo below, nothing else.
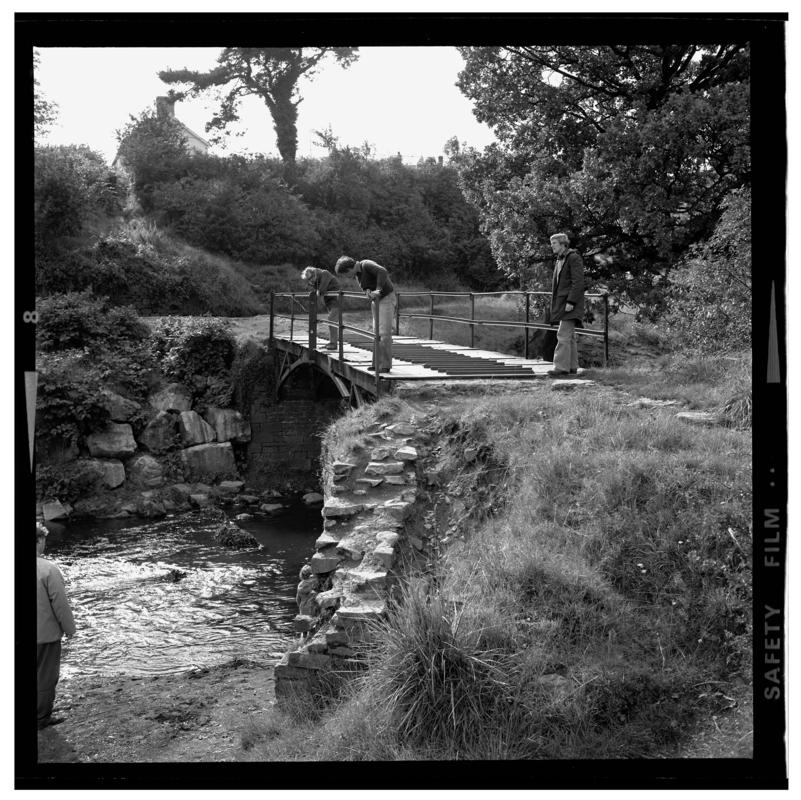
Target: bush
(199, 353)
(710, 295)
(70, 184)
(82, 320)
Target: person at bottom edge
(567, 304)
(53, 620)
(324, 283)
(375, 283)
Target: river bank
(207, 714)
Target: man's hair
(344, 264)
(41, 532)
(307, 274)
(560, 237)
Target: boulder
(159, 434)
(271, 508)
(336, 508)
(231, 535)
(407, 454)
(54, 510)
(119, 408)
(112, 472)
(175, 397)
(199, 500)
(143, 470)
(312, 497)
(115, 441)
(213, 460)
(148, 506)
(321, 563)
(698, 417)
(194, 430)
(230, 487)
(384, 468)
(402, 429)
(229, 425)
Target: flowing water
(133, 620)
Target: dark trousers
(48, 664)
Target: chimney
(165, 107)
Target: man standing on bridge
(567, 304)
(374, 281)
(324, 283)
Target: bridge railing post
(397, 313)
(272, 316)
(291, 316)
(472, 320)
(341, 329)
(606, 327)
(526, 331)
(312, 320)
(376, 340)
(431, 314)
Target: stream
(133, 620)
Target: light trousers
(565, 357)
(386, 321)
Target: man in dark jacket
(53, 620)
(374, 281)
(567, 304)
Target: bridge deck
(422, 359)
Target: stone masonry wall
(285, 435)
(348, 580)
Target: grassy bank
(596, 606)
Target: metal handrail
(432, 317)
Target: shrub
(198, 352)
(70, 184)
(83, 320)
(710, 295)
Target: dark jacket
(324, 282)
(569, 288)
(372, 276)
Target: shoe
(48, 722)
(557, 373)
(330, 346)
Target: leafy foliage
(710, 294)
(83, 320)
(153, 147)
(628, 149)
(269, 73)
(45, 111)
(199, 353)
(71, 183)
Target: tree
(271, 73)
(153, 147)
(629, 149)
(710, 293)
(44, 110)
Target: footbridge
(341, 346)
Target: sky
(398, 99)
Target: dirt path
(203, 715)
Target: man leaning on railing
(374, 281)
(324, 282)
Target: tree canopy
(270, 73)
(628, 149)
(45, 111)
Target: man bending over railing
(323, 282)
(374, 281)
